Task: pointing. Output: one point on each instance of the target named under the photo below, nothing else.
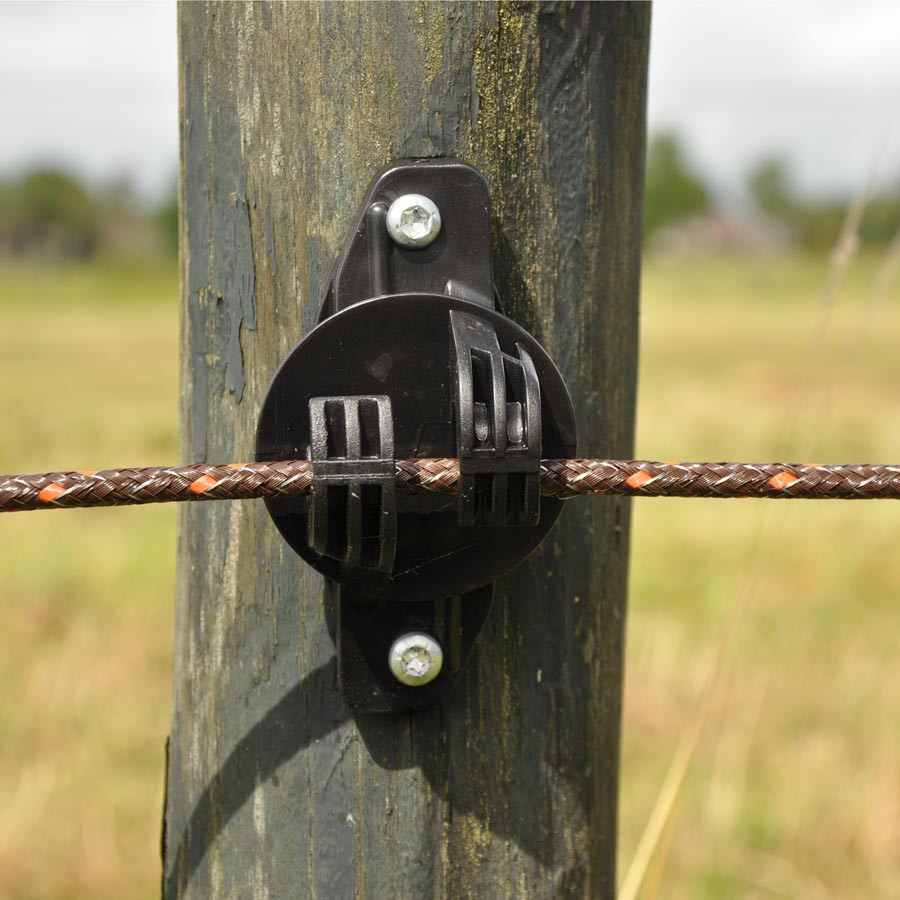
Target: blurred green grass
(89, 379)
(795, 790)
(795, 787)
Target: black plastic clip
(353, 509)
(498, 428)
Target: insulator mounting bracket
(413, 357)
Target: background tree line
(677, 192)
(49, 213)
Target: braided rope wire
(561, 478)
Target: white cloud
(816, 81)
(92, 85)
(95, 84)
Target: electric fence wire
(563, 478)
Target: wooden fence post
(273, 790)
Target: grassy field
(89, 379)
(794, 790)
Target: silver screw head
(413, 221)
(415, 658)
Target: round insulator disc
(402, 346)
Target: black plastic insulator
(353, 507)
(423, 327)
(498, 423)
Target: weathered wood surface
(286, 111)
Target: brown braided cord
(559, 478)
(120, 487)
(570, 477)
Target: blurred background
(762, 727)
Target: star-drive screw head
(413, 221)
(415, 659)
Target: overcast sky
(94, 85)
(91, 85)
(817, 82)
